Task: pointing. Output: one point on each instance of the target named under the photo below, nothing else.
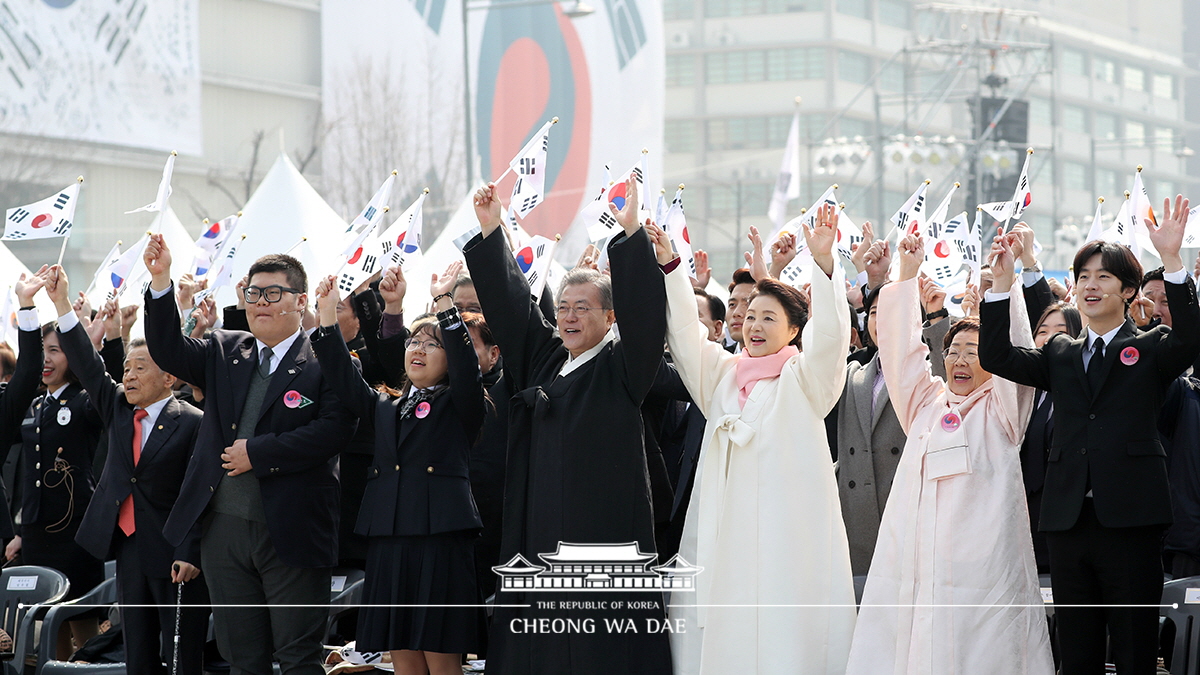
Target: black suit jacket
(419, 483)
(15, 397)
(293, 450)
(46, 442)
(1107, 436)
(154, 482)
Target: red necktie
(125, 520)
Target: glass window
(1105, 125)
(891, 77)
(715, 71)
(1039, 111)
(1166, 189)
(722, 200)
(1105, 69)
(854, 67)
(1074, 176)
(1164, 138)
(851, 127)
(680, 135)
(1135, 132)
(1073, 61)
(1074, 118)
(1106, 184)
(1164, 85)
(777, 131)
(722, 8)
(680, 70)
(1134, 78)
(859, 8)
(893, 13)
(677, 9)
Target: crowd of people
(806, 449)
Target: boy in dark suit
(150, 440)
(1106, 500)
(263, 481)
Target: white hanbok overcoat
(764, 519)
(953, 587)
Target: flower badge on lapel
(1129, 356)
(294, 399)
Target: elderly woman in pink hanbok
(953, 586)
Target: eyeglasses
(415, 344)
(273, 294)
(970, 355)
(564, 310)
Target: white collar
(280, 349)
(155, 409)
(1108, 337)
(574, 363)
(58, 392)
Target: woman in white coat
(776, 593)
(953, 587)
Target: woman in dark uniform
(417, 513)
(59, 439)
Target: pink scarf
(751, 369)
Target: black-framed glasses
(968, 355)
(564, 310)
(273, 294)
(413, 344)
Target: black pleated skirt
(58, 550)
(437, 569)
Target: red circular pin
(422, 409)
(951, 421)
(1129, 356)
(292, 399)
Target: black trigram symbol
(637, 173)
(15, 235)
(528, 166)
(902, 220)
(18, 215)
(533, 277)
(346, 283)
(943, 272)
(369, 214)
(607, 220)
(387, 246)
(62, 227)
(529, 202)
(62, 200)
(790, 273)
(968, 251)
(540, 250)
(368, 263)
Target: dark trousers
(242, 568)
(149, 631)
(1095, 565)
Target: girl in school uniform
(417, 513)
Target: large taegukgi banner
(601, 75)
(121, 72)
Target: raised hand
(487, 208)
(240, 287)
(1141, 310)
(327, 300)
(878, 261)
(933, 298)
(157, 257)
(82, 307)
(1168, 237)
(1023, 242)
(27, 286)
(59, 290)
(186, 289)
(588, 258)
(783, 251)
(970, 303)
(662, 243)
(704, 272)
(392, 287)
(97, 329)
(821, 237)
(111, 313)
(440, 287)
(206, 316)
(129, 317)
(755, 259)
(912, 254)
(627, 215)
(1002, 262)
(860, 250)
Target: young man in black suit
(263, 480)
(1106, 500)
(150, 440)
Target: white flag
(102, 281)
(799, 271)
(809, 217)
(1191, 233)
(375, 208)
(49, 218)
(675, 225)
(999, 211)
(944, 256)
(969, 242)
(221, 273)
(1022, 197)
(400, 244)
(849, 235)
(1140, 211)
(120, 270)
(164, 189)
(910, 216)
(937, 219)
(601, 223)
(210, 242)
(787, 186)
(1097, 231)
(359, 240)
(530, 167)
(1122, 231)
(534, 259)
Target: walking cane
(178, 612)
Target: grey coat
(869, 449)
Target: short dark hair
(1155, 274)
(49, 328)
(716, 308)
(8, 361)
(741, 276)
(135, 343)
(462, 280)
(1116, 258)
(964, 324)
(792, 300)
(1070, 316)
(475, 320)
(281, 262)
(582, 276)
